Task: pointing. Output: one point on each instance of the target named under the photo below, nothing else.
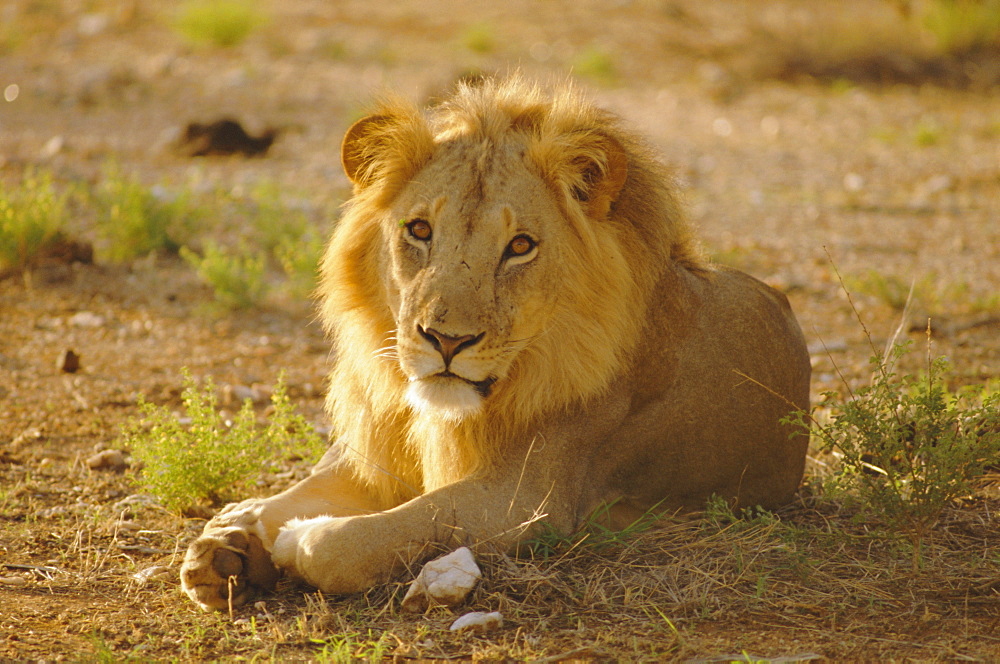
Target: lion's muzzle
(449, 346)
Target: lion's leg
(350, 554)
(232, 556)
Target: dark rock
(224, 137)
(69, 361)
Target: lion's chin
(452, 398)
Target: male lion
(524, 333)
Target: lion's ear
(386, 147)
(589, 167)
(602, 173)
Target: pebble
(854, 182)
(13, 581)
(107, 460)
(478, 621)
(52, 147)
(236, 395)
(87, 319)
(445, 581)
(127, 526)
(135, 499)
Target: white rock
(87, 319)
(53, 146)
(13, 581)
(445, 581)
(478, 621)
(107, 460)
(854, 182)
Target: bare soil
(795, 168)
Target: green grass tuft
(211, 459)
(238, 278)
(223, 23)
(596, 64)
(32, 217)
(134, 220)
(908, 448)
(961, 26)
(479, 38)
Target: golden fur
(524, 330)
(605, 312)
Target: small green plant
(353, 647)
(596, 64)
(207, 458)
(237, 278)
(479, 38)
(134, 220)
(890, 289)
(960, 26)
(594, 534)
(931, 293)
(907, 447)
(927, 134)
(31, 219)
(285, 233)
(300, 261)
(720, 514)
(223, 23)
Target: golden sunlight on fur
(525, 332)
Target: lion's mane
(618, 255)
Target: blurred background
(861, 135)
(169, 174)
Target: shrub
(959, 26)
(223, 23)
(237, 278)
(208, 458)
(479, 38)
(597, 65)
(31, 218)
(300, 261)
(907, 447)
(134, 220)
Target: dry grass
(814, 579)
(691, 588)
(938, 44)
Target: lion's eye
(520, 246)
(419, 229)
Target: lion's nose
(447, 345)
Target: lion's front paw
(225, 566)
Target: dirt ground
(797, 163)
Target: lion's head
(496, 257)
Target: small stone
(69, 361)
(107, 460)
(445, 581)
(140, 499)
(87, 319)
(13, 581)
(236, 395)
(128, 526)
(52, 147)
(854, 182)
(91, 25)
(938, 183)
(156, 573)
(478, 621)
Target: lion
(525, 333)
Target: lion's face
(473, 246)
(482, 258)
